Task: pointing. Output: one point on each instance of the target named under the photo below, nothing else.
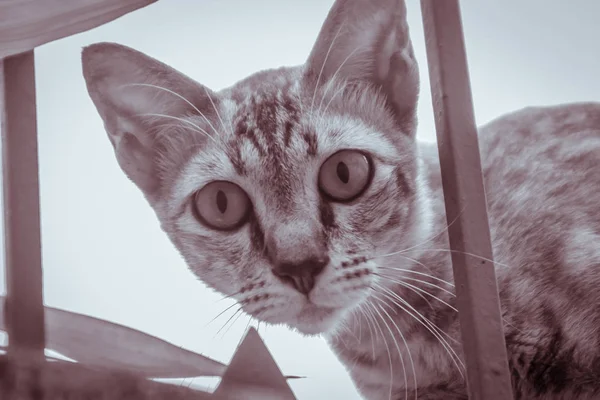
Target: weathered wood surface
(26, 24)
(466, 210)
(251, 375)
(99, 343)
(62, 380)
(22, 254)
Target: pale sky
(103, 251)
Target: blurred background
(103, 251)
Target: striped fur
(385, 299)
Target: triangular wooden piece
(253, 374)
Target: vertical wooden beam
(23, 259)
(476, 288)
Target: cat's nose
(302, 275)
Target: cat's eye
(345, 175)
(222, 205)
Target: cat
(302, 193)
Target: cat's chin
(315, 320)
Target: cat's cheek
(345, 291)
(217, 276)
(215, 271)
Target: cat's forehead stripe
(264, 127)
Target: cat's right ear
(135, 95)
(368, 42)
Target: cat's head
(282, 190)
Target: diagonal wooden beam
(22, 379)
(26, 24)
(99, 343)
(466, 210)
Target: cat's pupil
(343, 172)
(221, 201)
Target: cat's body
(547, 265)
(302, 193)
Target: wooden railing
(26, 24)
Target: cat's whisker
(221, 313)
(337, 92)
(410, 271)
(408, 285)
(250, 318)
(217, 112)
(427, 240)
(511, 325)
(193, 128)
(360, 330)
(434, 277)
(403, 278)
(395, 297)
(241, 312)
(345, 324)
(344, 328)
(179, 126)
(161, 127)
(415, 261)
(163, 89)
(332, 79)
(368, 322)
(229, 296)
(339, 30)
(199, 130)
(470, 255)
(409, 355)
(369, 313)
(378, 308)
(182, 98)
(436, 332)
(210, 124)
(387, 347)
(431, 324)
(426, 323)
(415, 291)
(355, 316)
(237, 311)
(430, 284)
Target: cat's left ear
(368, 41)
(136, 96)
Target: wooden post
(476, 288)
(24, 25)
(23, 258)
